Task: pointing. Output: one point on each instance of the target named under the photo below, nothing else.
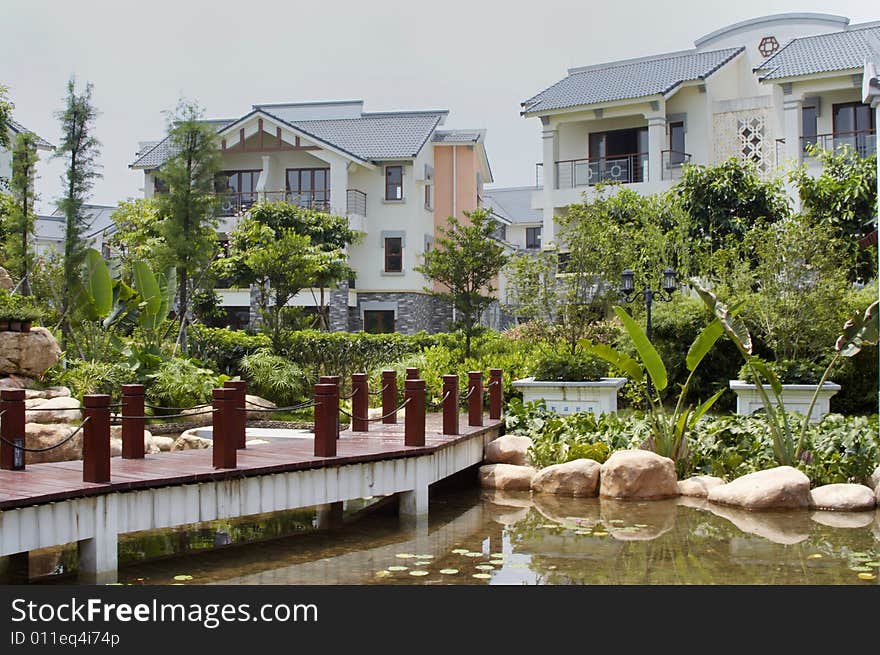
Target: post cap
(414, 383)
(133, 389)
(389, 374)
(495, 372)
(96, 400)
(450, 378)
(12, 394)
(223, 394)
(358, 377)
(235, 384)
(325, 389)
(475, 374)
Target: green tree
(6, 108)
(138, 235)
(80, 149)
(464, 262)
(328, 233)
(844, 195)
(281, 263)
(187, 210)
(18, 250)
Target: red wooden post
(240, 416)
(337, 382)
(412, 373)
(223, 429)
(389, 396)
(475, 400)
(496, 393)
(132, 421)
(96, 438)
(360, 402)
(450, 404)
(414, 421)
(326, 419)
(12, 458)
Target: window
(393, 254)
(809, 125)
(394, 183)
(676, 143)
(428, 204)
(533, 237)
(237, 190)
(853, 124)
(309, 187)
(378, 321)
(159, 185)
(615, 156)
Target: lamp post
(629, 294)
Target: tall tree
(187, 210)
(80, 149)
(24, 163)
(6, 108)
(464, 262)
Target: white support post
(414, 503)
(98, 556)
(656, 145)
(550, 140)
(792, 116)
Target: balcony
(863, 143)
(572, 173)
(236, 203)
(673, 161)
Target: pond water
(475, 537)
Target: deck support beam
(98, 556)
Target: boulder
(150, 446)
(28, 353)
(189, 440)
(47, 393)
(698, 486)
(637, 474)
(199, 416)
(579, 477)
(55, 410)
(507, 477)
(874, 479)
(782, 487)
(164, 444)
(509, 449)
(6, 281)
(41, 435)
(253, 403)
(16, 382)
(843, 497)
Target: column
(550, 140)
(338, 185)
(792, 118)
(414, 504)
(98, 555)
(656, 145)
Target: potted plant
(17, 313)
(799, 383)
(571, 383)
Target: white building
(49, 230)
(6, 155)
(761, 90)
(395, 175)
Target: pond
(476, 537)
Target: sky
(478, 59)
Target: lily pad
(583, 532)
(473, 554)
(404, 556)
(815, 556)
(497, 555)
(448, 571)
(418, 573)
(424, 557)
(875, 565)
(496, 562)
(867, 576)
(383, 574)
(482, 576)
(485, 567)
(398, 568)
(863, 569)
(600, 533)
(460, 551)
(550, 526)
(183, 577)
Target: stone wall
(415, 312)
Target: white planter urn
(599, 397)
(795, 397)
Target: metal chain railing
(439, 405)
(380, 391)
(47, 448)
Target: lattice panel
(746, 135)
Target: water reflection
(515, 538)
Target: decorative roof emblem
(768, 46)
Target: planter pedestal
(796, 398)
(599, 397)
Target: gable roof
(368, 137)
(513, 204)
(18, 128)
(823, 53)
(458, 136)
(629, 79)
(51, 227)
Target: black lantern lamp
(627, 281)
(670, 284)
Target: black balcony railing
(235, 203)
(625, 169)
(863, 143)
(673, 161)
(355, 202)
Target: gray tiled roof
(370, 137)
(98, 219)
(457, 136)
(823, 53)
(18, 128)
(513, 204)
(635, 78)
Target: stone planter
(796, 398)
(599, 397)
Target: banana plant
(858, 332)
(669, 431)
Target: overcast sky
(478, 59)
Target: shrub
(86, 377)
(273, 377)
(569, 368)
(841, 449)
(598, 452)
(789, 371)
(180, 382)
(223, 349)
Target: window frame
(313, 191)
(387, 254)
(535, 242)
(676, 155)
(389, 186)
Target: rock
(47, 393)
(574, 513)
(164, 444)
(849, 520)
(507, 477)
(843, 497)
(197, 416)
(699, 485)
(637, 474)
(115, 447)
(54, 410)
(253, 403)
(509, 449)
(518, 499)
(150, 446)
(782, 487)
(694, 502)
(874, 479)
(626, 520)
(16, 382)
(41, 435)
(376, 412)
(579, 477)
(189, 440)
(6, 281)
(786, 528)
(28, 353)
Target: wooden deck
(44, 483)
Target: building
(395, 175)
(761, 90)
(49, 230)
(6, 155)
